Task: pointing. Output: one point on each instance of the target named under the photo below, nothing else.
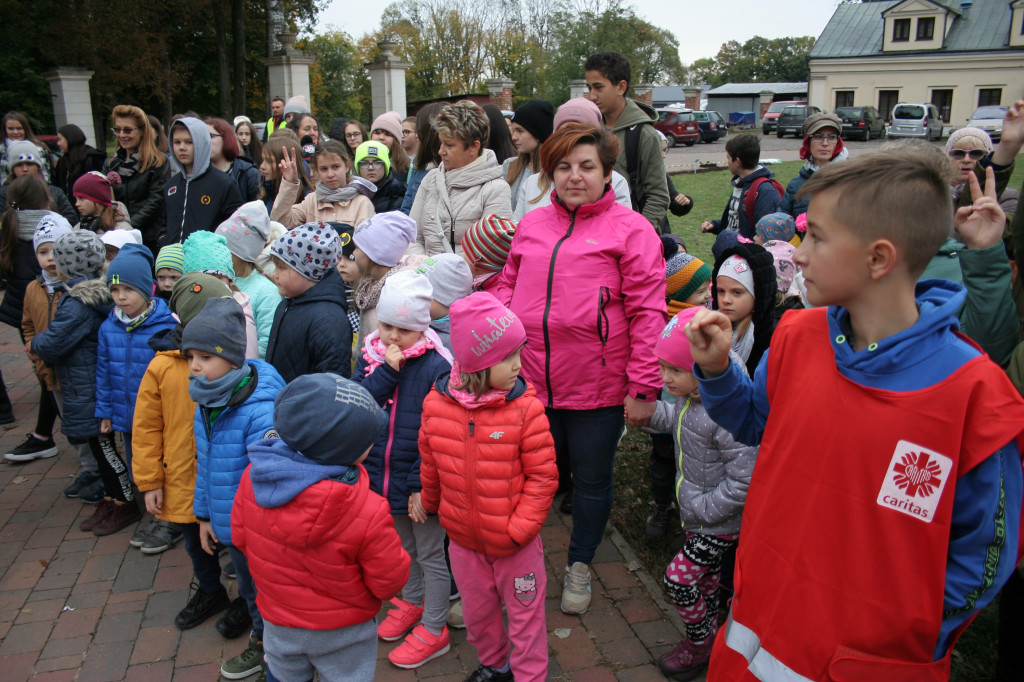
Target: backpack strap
(633, 164)
(750, 197)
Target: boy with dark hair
(755, 192)
(640, 162)
(879, 424)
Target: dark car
(712, 125)
(861, 123)
(678, 125)
(791, 120)
(771, 117)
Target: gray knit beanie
(79, 253)
(219, 329)
(449, 276)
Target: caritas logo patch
(915, 480)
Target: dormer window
(901, 30)
(925, 28)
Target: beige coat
(310, 209)
(459, 198)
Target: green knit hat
(171, 257)
(191, 292)
(208, 252)
(374, 149)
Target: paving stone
(11, 603)
(82, 545)
(156, 644)
(125, 607)
(101, 568)
(118, 627)
(69, 646)
(22, 575)
(30, 637)
(137, 595)
(77, 622)
(38, 611)
(69, 562)
(162, 607)
(606, 626)
(626, 651)
(203, 645)
(106, 662)
(576, 651)
(57, 676)
(17, 666)
(639, 610)
(52, 582)
(88, 600)
(158, 672)
(645, 673)
(174, 577)
(45, 537)
(613, 574)
(595, 675)
(656, 633)
(60, 663)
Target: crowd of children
(348, 421)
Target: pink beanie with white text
(483, 331)
(673, 347)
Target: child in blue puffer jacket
(235, 408)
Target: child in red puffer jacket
(485, 445)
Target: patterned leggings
(692, 581)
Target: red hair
(572, 135)
(227, 136)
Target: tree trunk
(220, 27)
(238, 47)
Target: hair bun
(114, 179)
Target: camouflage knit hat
(79, 254)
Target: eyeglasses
(825, 138)
(126, 131)
(408, 132)
(216, 135)
(353, 136)
(975, 154)
(371, 163)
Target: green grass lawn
(974, 658)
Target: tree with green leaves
(757, 60)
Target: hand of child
(28, 351)
(287, 166)
(106, 426)
(416, 511)
(710, 335)
(981, 224)
(393, 356)
(638, 412)
(707, 226)
(684, 200)
(155, 501)
(207, 538)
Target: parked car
(712, 125)
(791, 120)
(678, 125)
(771, 117)
(989, 119)
(861, 122)
(913, 119)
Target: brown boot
(103, 508)
(122, 516)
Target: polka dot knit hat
(311, 250)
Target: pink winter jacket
(590, 288)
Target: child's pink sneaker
(399, 621)
(686, 661)
(419, 647)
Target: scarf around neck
(218, 392)
(374, 349)
(333, 196)
(470, 401)
(367, 292)
(133, 323)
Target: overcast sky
(700, 26)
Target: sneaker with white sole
(32, 448)
(576, 589)
(139, 537)
(162, 536)
(419, 647)
(455, 618)
(249, 662)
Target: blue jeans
(590, 438)
(205, 566)
(246, 588)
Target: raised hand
(1013, 134)
(710, 335)
(981, 224)
(287, 166)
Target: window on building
(844, 98)
(943, 101)
(925, 28)
(887, 99)
(900, 30)
(990, 97)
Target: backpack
(633, 165)
(750, 198)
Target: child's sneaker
(236, 621)
(83, 480)
(576, 589)
(139, 537)
(486, 673)
(249, 662)
(162, 536)
(419, 647)
(399, 621)
(686, 661)
(658, 523)
(32, 448)
(200, 607)
(228, 571)
(93, 493)
(455, 619)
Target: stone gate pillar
(72, 102)
(387, 80)
(577, 88)
(644, 93)
(500, 91)
(288, 70)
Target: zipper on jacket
(471, 427)
(604, 297)
(387, 448)
(184, 211)
(547, 307)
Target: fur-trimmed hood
(92, 292)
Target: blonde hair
(477, 383)
(148, 154)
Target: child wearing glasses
(373, 163)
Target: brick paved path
(77, 607)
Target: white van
(912, 119)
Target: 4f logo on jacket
(496, 435)
(914, 481)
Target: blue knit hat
(348, 419)
(208, 252)
(133, 266)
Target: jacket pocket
(851, 665)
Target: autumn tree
(757, 60)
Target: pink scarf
(374, 349)
(470, 400)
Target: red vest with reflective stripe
(841, 564)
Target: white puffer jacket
(458, 198)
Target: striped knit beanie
(685, 275)
(171, 257)
(488, 242)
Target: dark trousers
(663, 469)
(246, 588)
(1011, 627)
(48, 412)
(112, 468)
(205, 566)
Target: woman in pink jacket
(586, 276)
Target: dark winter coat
(26, 269)
(248, 178)
(141, 192)
(767, 201)
(389, 196)
(69, 345)
(394, 461)
(65, 176)
(311, 332)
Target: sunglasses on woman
(976, 154)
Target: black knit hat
(219, 329)
(762, 267)
(537, 116)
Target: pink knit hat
(483, 331)
(581, 110)
(673, 347)
(389, 121)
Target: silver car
(911, 119)
(989, 119)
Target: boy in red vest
(884, 509)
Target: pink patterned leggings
(692, 581)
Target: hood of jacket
(200, 147)
(759, 172)
(635, 113)
(483, 169)
(166, 339)
(938, 302)
(330, 288)
(279, 473)
(92, 292)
